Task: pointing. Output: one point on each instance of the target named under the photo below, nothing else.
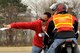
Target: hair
(48, 14)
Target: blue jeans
(58, 42)
(45, 50)
(36, 49)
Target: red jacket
(36, 26)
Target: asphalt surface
(16, 49)
(14, 52)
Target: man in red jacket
(38, 26)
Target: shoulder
(49, 20)
(74, 18)
(37, 21)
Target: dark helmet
(59, 7)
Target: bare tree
(39, 6)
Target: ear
(55, 12)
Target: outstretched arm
(22, 25)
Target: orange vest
(63, 22)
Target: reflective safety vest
(63, 22)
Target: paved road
(15, 52)
(15, 49)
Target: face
(44, 17)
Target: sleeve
(24, 25)
(49, 40)
(45, 40)
(75, 25)
(50, 28)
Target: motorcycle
(67, 46)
